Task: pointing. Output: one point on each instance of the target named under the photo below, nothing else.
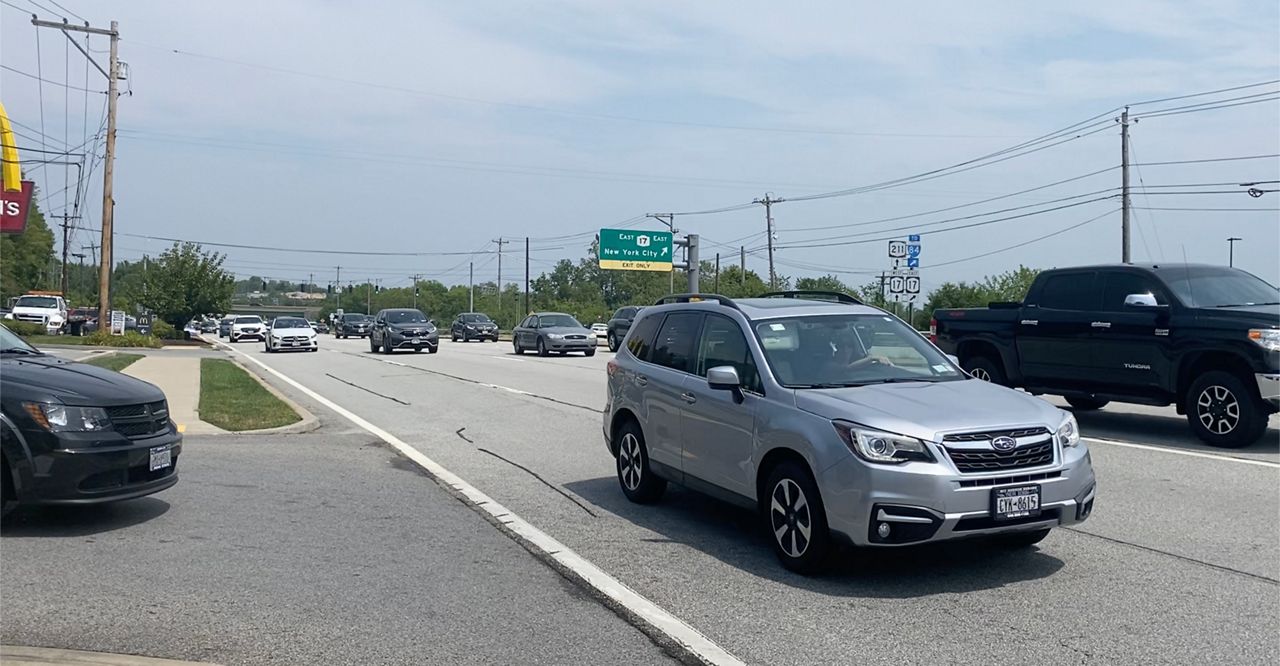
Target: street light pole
(1231, 250)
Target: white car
(248, 326)
(601, 330)
(47, 309)
(290, 333)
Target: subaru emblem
(1004, 444)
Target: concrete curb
(308, 423)
(34, 656)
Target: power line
(1217, 210)
(1028, 242)
(1272, 98)
(1212, 159)
(55, 4)
(1207, 92)
(52, 83)
(1155, 228)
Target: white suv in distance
(290, 333)
(248, 326)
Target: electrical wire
(1217, 210)
(1210, 108)
(52, 83)
(55, 4)
(1028, 242)
(1207, 92)
(1155, 228)
(1211, 159)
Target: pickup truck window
(1068, 291)
(1120, 285)
(1216, 287)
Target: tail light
(612, 368)
(933, 330)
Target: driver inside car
(848, 350)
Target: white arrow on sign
(665, 250)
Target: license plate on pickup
(1014, 503)
(161, 457)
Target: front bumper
(108, 472)
(479, 335)
(1269, 387)
(429, 341)
(354, 332)
(282, 345)
(929, 502)
(570, 345)
(245, 335)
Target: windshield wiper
(1241, 305)
(20, 350)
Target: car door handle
(1101, 324)
(641, 380)
(1030, 322)
(688, 397)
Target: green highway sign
(632, 250)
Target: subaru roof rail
(814, 295)
(694, 298)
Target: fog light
(883, 530)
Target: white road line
(1183, 452)
(638, 607)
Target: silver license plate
(1014, 503)
(161, 457)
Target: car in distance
(208, 326)
(353, 324)
(247, 327)
(837, 422)
(319, 326)
(403, 328)
(548, 332)
(619, 324)
(290, 334)
(224, 326)
(76, 434)
(600, 329)
(473, 326)
(1203, 338)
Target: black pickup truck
(1203, 338)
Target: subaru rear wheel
(796, 519)
(638, 482)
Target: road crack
(391, 398)
(1184, 558)
(546, 483)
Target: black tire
(613, 342)
(637, 480)
(590, 353)
(8, 498)
(373, 349)
(982, 367)
(1223, 411)
(1021, 539)
(1082, 404)
(386, 344)
(516, 348)
(432, 350)
(542, 348)
(266, 348)
(453, 337)
(788, 515)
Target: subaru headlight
(1069, 432)
(1267, 338)
(63, 418)
(877, 446)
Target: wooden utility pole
(526, 273)
(742, 263)
(108, 164)
(500, 242)
(768, 202)
(716, 289)
(1124, 186)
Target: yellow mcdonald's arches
(10, 170)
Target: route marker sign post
(632, 250)
(903, 280)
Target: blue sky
(479, 120)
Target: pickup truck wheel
(8, 498)
(613, 342)
(1081, 404)
(1223, 412)
(981, 367)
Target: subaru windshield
(834, 351)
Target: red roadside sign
(13, 209)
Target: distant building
(305, 296)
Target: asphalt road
(320, 548)
(1179, 564)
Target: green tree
(26, 258)
(184, 282)
(824, 283)
(1008, 286)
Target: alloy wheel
(1218, 409)
(980, 373)
(630, 466)
(789, 516)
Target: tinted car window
(290, 322)
(559, 320)
(248, 320)
(677, 336)
(1068, 291)
(353, 317)
(1214, 286)
(1120, 285)
(640, 337)
(724, 344)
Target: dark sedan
(548, 332)
(470, 326)
(78, 434)
(403, 328)
(620, 324)
(354, 325)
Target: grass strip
(232, 400)
(115, 362)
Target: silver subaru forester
(838, 422)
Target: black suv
(403, 328)
(77, 434)
(353, 325)
(473, 326)
(620, 324)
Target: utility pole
(1124, 186)
(500, 242)
(717, 287)
(311, 278)
(742, 263)
(668, 219)
(882, 279)
(80, 273)
(66, 250)
(690, 244)
(1231, 250)
(108, 165)
(415, 291)
(768, 202)
(337, 287)
(526, 274)
(471, 286)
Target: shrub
(129, 339)
(24, 329)
(165, 331)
